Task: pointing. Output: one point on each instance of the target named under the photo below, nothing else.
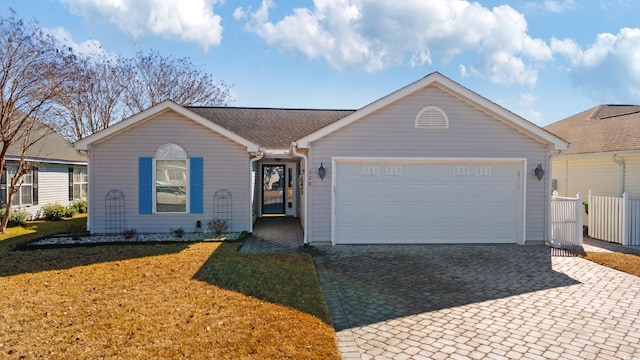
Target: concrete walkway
(473, 302)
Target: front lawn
(161, 301)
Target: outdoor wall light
(539, 172)
(322, 171)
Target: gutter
(294, 151)
(622, 171)
(261, 153)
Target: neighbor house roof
(49, 147)
(271, 128)
(604, 128)
(454, 89)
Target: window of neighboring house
(27, 193)
(171, 179)
(77, 183)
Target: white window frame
(17, 197)
(77, 171)
(160, 157)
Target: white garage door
(427, 201)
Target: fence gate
(566, 221)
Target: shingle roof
(604, 128)
(270, 128)
(51, 147)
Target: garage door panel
(426, 202)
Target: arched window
(171, 179)
(431, 118)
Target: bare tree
(106, 90)
(94, 99)
(157, 78)
(33, 70)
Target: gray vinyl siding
(53, 187)
(390, 132)
(114, 165)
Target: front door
(273, 189)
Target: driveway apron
(478, 302)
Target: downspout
(87, 154)
(622, 171)
(294, 151)
(261, 154)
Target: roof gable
(46, 146)
(167, 105)
(604, 128)
(453, 88)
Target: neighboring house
(604, 155)
(430, 163)
(58, 173)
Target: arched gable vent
(430, 118)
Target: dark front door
(273, 186)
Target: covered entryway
(428, 201)
(278, 184)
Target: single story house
(58, 173)
(604, 156)
(432, 162)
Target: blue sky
(544, 60)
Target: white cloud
(239, 13)
(555, 6)
(527, 99)
(609, 69)
(91, 48)
(372, 35)
(187, 21)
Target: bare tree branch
(34, 71)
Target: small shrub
(217, 226)
(69, 211)
(17, 216)
(177, 232)
(54, 212)
(129, 233)
(80, 206)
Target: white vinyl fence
(614, 219)
(566, 221)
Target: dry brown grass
(628, 263)
(145, 302)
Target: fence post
(579, 220)
(590, 215)
(625, 219)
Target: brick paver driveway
(477, 301)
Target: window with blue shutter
(34, 179)
(196, 180)
(145, 185)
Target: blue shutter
(70, 184)
(145, 185)
(34, 186)
(196, 180)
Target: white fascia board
(511, 118)
(156, 110)
(368, 109)
(452, 88)
(596, 154)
